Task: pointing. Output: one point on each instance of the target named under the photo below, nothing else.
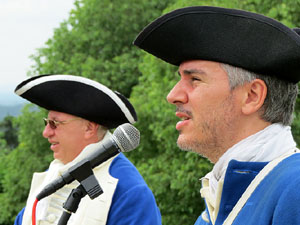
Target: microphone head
(127, 137)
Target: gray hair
(101, 132)
(281, 96)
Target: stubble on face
(212, 131)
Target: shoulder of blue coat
(288, 170)
(122, 169)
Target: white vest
(90, 212)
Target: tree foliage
(17, 167)
(96, 42)
(8, 132)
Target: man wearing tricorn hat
(81, 111)
(235, 98)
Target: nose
(177, 95)
(48, 131)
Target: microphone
(124, 139)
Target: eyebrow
(192, 71)
(53, 118)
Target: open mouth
(53, 144)
(184, 118)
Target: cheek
(202, 103)
(209, 97)
(67, 139)
(75, 139)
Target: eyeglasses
(53, 123)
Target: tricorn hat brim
(236, 37)
(80, 97)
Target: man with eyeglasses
(81, 112)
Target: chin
(55, 156)
(190, 145)
(184, 144)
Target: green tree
(96, 42)
(8, 132)
(31, 155)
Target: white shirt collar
(263, 146)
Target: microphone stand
(71, 204)
(88, 186)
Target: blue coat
(133, 202)
(275, 201)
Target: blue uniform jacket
(275, 201)
(133, 202)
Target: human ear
(255, 95)
(91, 129)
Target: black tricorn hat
(236, 37)
(80, 97)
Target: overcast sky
(25, 25)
